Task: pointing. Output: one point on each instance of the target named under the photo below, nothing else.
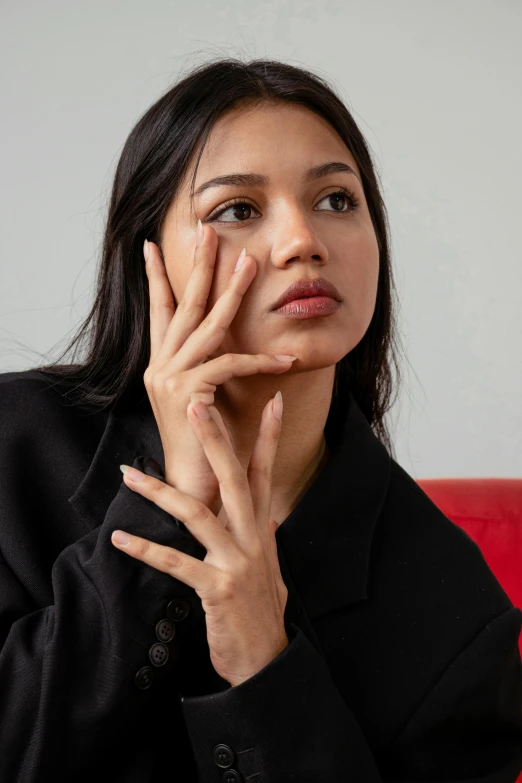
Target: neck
(302, 450)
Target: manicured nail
(284, 358)
(199, 234)
(240, 260)
(277, 406)
(146, 250)
(132, 474)
(120, 538)
(201, 410)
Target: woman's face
(294, 228)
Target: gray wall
(435, 88)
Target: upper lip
(305, 288)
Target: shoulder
(431, 572)
(38, 415)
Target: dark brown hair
(151, 168)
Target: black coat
(403, 663)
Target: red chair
(490, 511)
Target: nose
(296, 241)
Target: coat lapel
(325, 541)
(327, 538)
(130, 432)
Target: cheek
(362, 279)
(363, 271)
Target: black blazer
(403, 663)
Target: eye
(232, 205)
(239, 205)
(346, 195)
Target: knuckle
(155, 380)
(266, 471)
(197, 303)
(219, 329)
(158, 487)
(227, 588)
(171, 384)
(198, 512)
(144, 548)
(243, 563)
(236, 481)
(149, 375)
(183, 305)
(232, 359)
(207, 323)
(172, 559)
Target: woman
(260, 598)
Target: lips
(303, 289)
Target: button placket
(159, 654)
(165, 630)
(232, 776)
(223, 755)
(144, 678)
(178, 609)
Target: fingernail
(284, 358)
(277, 407)
(121, 538)
(132, 474)
(199, 234)
(201, 410)
(146, 250)
(240, 260)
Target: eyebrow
(316, 172)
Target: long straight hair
(114, 338)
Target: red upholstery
(490, 511)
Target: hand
(239, 582)
(180, 343)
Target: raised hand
(178, 371)
(239, 581)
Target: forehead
(270, 139)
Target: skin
(293, 231)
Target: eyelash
(239, 201)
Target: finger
(193, 304)
(282, 590)
(237, 365)
(233, 483)
(187, 569)
(161, 299)
(204, 340)
(200, 521)
(260, 467)
(208, 399)
(215, 414)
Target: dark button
(178, 609)
(159, 654)
(165, 631)
(223, 756)
(231, 776)
(144, 678)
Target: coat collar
(326, 539)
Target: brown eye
(238, 208)
(342, 196)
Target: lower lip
(310, 307)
